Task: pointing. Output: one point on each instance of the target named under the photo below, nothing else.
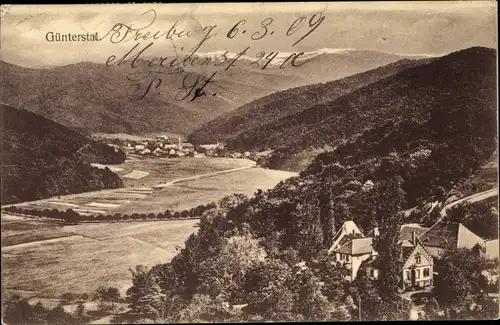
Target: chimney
(413, 238)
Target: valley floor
(46, 259)
(87, 255)
(173, 184)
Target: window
(426, 272)
(418, 260)
(372, 273)
(408, 275)
(417, 272)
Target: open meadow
(86, 255)
(191, 193)
(46, 258)
(160, 170)
(173, 184)
(18, 231)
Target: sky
(420, 28)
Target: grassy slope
(82, 265)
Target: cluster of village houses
(168, 147)
(163, 146)
(420, 247)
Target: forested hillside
(459, 80)
(41, 158)
(247, 250)
(240, 124)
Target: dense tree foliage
(17, 311)
(233, 261)
(481, 218)
(459, 277)
(461, 288)
(71, 217)
(107, 296)
(144, 296)
(41, 158)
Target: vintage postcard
(249, 162)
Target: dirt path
(41, 242)
(470, 199)
(103, 320)
(145, 243)
(201, 176)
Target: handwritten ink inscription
(148, 71)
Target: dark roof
(358, 246)
(407, 250)
(442, 234)
(405, 243)
(372, 261)
(348, 237)
(406, 231)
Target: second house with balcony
(357, 253)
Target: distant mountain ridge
(94, 98)
(292, 124)
(282, 56)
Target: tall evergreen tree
(327, 214)
(391, 197)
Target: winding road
(202, 176)
(6, 249)
(470, 199)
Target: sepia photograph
(249, 162)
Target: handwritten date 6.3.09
(313, 22)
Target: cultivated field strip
(72, 264)
(91, 204)
(108, 201)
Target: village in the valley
(172, 147)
